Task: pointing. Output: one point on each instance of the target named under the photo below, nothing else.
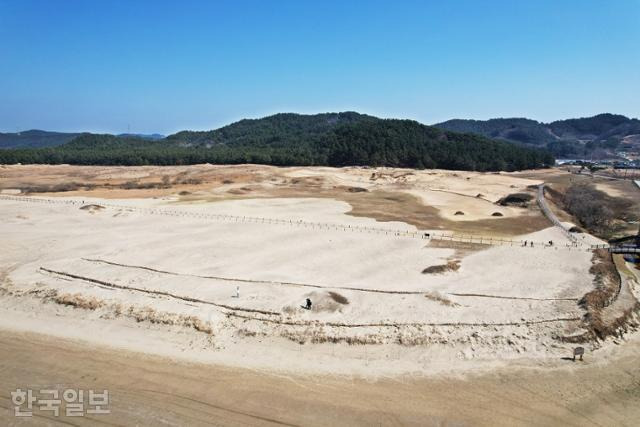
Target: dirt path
(151, 391)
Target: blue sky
(163, 66)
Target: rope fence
(445, 237)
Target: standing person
(237, 291)
(308, 306)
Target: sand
(149, 390)
(159, 275)
(515, 307)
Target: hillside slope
(331, 139)
(597, 136)
(34, 139)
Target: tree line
(334, 139)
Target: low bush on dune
(148, 314)
(139, 314)
(516, 199)
(338, 298)
(79, 301)
(442, 268)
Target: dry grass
(461, 249)
(318, 336)
(438, 297)
(149, 314)
(56, 188)
(78, 301)
(624, 207)
(139, 314)
(607, 281)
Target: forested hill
(601, 134)
(332, 139)
(34, 139)
(275, 129)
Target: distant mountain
(34, 139)
(599, 135)
(43, 138)
(153, 136)
(521, 130)
(273, 130)
(329, 139)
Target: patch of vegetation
(607, 282)
(340, 299)
(78, 301)
(137, 185)
(436, 296)
(516, 199)
(443, 268)
(357, 190)
(56, 188)
(595, 210)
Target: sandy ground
(193, 266)
(425, 199)
(161, 274)
(148, 390)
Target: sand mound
(321, 302)
(92, 208)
